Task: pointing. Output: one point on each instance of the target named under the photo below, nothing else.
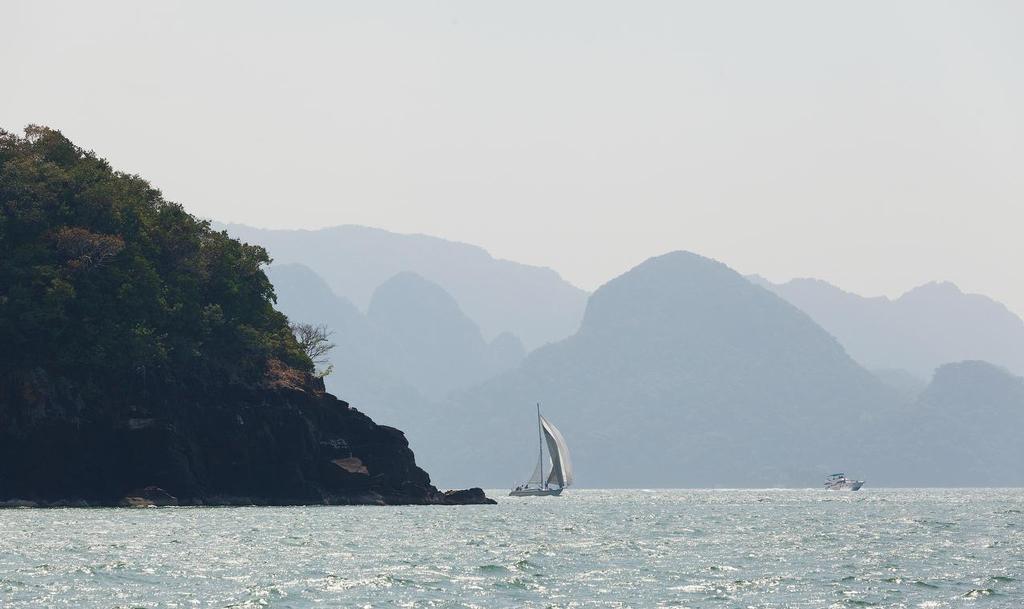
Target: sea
(588, 548)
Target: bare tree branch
(315, 342)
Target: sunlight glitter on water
(588, 548)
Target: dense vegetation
(143, 361)
(107, 284)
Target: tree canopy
(103, 280)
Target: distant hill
(438, 348)
(413, 345)
(906, 384)
(534, 303)
(965, 429)
(361, 357)
(928, 326)
(683, 373)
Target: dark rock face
(259, 445)
(469, 496)
(142, 361)
(151, 496)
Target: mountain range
(927, 327)
(413, 345)
(500, 296)
(151, 360)
(684, 373)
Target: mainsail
(561, 464)
(560, 475)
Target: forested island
(143, 360)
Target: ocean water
(589, 548)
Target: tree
(315, 343)
(85, 249)
(100, 275)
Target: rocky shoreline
(157, 497)
(284, 443)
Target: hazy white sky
(877, 145)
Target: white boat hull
(852, 485)
(535, 492)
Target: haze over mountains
(684, 373)
(439, 349)
(361, 356)
(965, 429)
(534, 303)
(413, 345)
(930, 325)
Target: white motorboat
(839, 482)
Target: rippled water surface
(589, 548)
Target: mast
(540, 447)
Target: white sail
(561, 464)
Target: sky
(874, 144)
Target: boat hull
(847, 486)
(536, 492)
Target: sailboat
(560, 475)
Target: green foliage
(103, 281)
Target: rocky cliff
(143, 360)
(287, 442)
